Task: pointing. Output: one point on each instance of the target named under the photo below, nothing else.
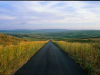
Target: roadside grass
(14, 56)
(87, 55)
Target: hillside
(30, 37)
(6, 39)
(14, 52)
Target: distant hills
(52, 33)
(51, 30)
(31, 31)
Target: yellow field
(85, 54)
(14, 56)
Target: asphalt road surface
(50, 60)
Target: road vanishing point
(50, 60)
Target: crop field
(87, 55)
(13, 56)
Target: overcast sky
(49, 15)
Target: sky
(75, 15)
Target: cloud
(6, 17)
(49, 12)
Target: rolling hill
(6, 39)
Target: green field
(57, 34)
(82, 45)
(30, 37)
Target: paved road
(50, 60)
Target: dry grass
(14, 56)
(85, 54)
(8, 40)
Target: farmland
(59, 34)
(82, 45)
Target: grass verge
(14, 56)
(86, 55)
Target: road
(50, 60)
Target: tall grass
(14, 56)
(85, 54)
